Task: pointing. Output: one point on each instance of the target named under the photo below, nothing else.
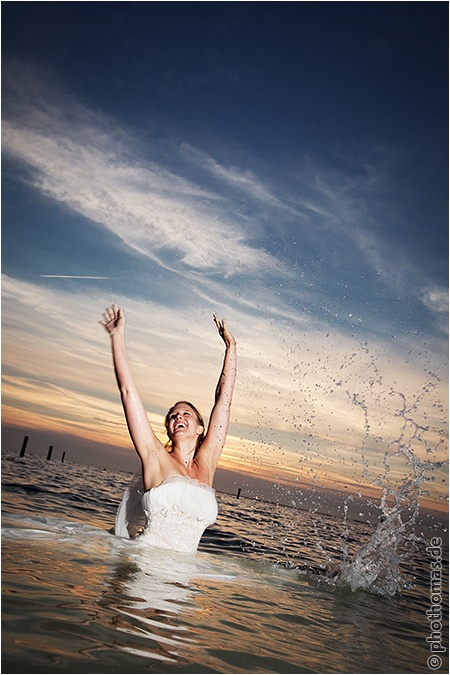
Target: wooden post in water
(238, 493)
(50, 450)
(24, 445)
(62, 458)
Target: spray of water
(376, 566)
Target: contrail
(71, 276)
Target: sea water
(272, 589)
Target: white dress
(176, 513)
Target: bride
(176, 492)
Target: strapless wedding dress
(176, 513)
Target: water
(272, 589)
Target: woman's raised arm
(212, 446)
(144, 440)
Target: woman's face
(183, 422)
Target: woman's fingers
(223, 330)
(112, 315)
(220, 324)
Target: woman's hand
(113, 319)
(224, 332)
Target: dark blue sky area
(254, 65)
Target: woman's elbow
(127, 393)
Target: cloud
(79, 159)
(356, 206)
(245, 181)
(435, 299)
(285, 240)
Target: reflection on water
(253, 599)
(148, 591)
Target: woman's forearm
(227, 378)
(122, 366)
(219, 420)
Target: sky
(284, 164)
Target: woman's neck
(184, 454)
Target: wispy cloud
(206, 219)
(436, 298)
(77, 158)
(245, 181)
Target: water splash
(376, 566)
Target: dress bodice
(177, 512)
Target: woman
(177, 498)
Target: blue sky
(283, 164)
